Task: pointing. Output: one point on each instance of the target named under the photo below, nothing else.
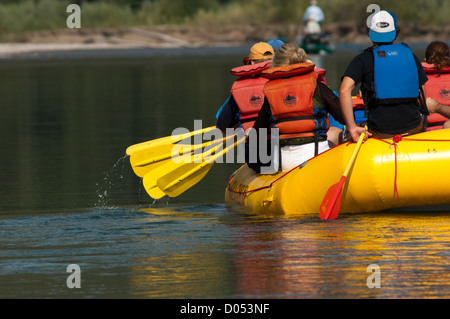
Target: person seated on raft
(392, 109)
(297, 103)
(437, 66)
(247, 96)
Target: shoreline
(163, 41)
(69, 51)
(20, 52)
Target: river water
(68, 196)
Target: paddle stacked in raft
(169, 168)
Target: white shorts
(294, 155)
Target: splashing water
(109, 187)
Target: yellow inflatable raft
(412, 171)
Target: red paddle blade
(336, 207)
(329, 209)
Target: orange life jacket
(248, 92)
(438, 88)
(290, 95)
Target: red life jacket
(290, 95)
(358, 102)
(438, 88)
(248, 92)
(321, 75)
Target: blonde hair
(288, 54)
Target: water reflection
(65, 123)
(247, 256)
(210, 251)
(191, 261)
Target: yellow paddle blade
(165, 140)
(155, 192)
(158, 169)
(144, 160)
(193, 172)
(162, 140)
(151, 155)
(151, 177)
(184, 177)
(141, 171)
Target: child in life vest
(247, 96)
(297, 103)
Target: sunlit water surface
(69, 196)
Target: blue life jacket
(396, 78)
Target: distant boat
(312, 43)
(317, 43)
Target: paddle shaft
(353, 157)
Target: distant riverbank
(193, 39)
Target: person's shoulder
(363, 57)
(405, 44)
(367, 52)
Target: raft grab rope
(395, 141)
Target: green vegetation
(17, 16)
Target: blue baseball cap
(275, 43)
(383, 27)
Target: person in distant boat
(313, 12)
(296, 102)
(247, 96)
(313, 19)
(392, 84)
(312, 27)
(437, 67)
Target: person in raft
(247, 96)
(296, 102)
(437, 67)
(391, 78)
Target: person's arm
(263, 120)
(436, 107)
(331, 101)
(226, 117)
(345, 97)
(422, 78)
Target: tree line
(27, 15)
